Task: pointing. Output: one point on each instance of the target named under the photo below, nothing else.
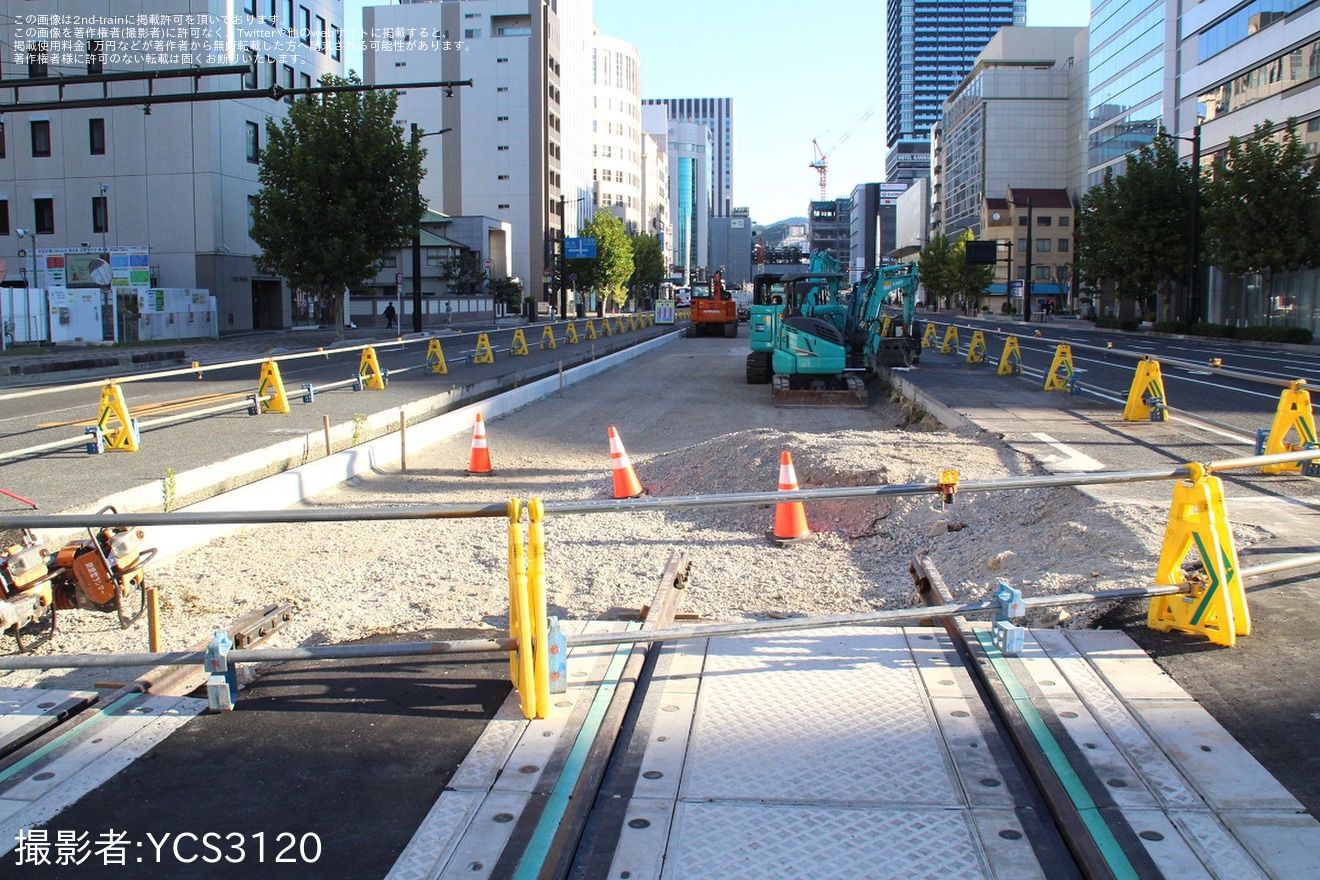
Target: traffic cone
(479, 461)
(625, 478)
(790, 518)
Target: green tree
(969, 281)
(935, 267)
(609, 272)
(1262, 205)
(1155, 197)
(338, 186)
(648, 264)
(464, 273)
(508, 291)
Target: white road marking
(1069, 460)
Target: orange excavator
(714, 310)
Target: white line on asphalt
(1071, 461)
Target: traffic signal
(982, 253)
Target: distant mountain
(785, 232)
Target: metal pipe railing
(478, 646)
(612, 505)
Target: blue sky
(794, 73)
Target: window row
(43, 215)
(1045, 245)
(39, 131)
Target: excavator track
(853, 395)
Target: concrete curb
(299, 483)
(947, 417)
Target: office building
(518, 149)
(173, 185)
(689, 147)
(717, 115)
(1128, 89)
(731, 247)
(931, 46)
(616, 127)
(1010, 122)
(828, 229)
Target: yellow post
(1010, 362)
(126, 436)
(521, 670)
(1216, 607)
(270, 389)
(950, 343)
(1060, 376)
(536, 604)
(885, 325)
(1292, 420)
(519, 343)
(570, 333)
(435, 358)
(928, 338)
(548, 337)
(591, 329)
(369, 370)
(483, 353)
(1146, 400)
(976, 350)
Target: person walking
(390, 315)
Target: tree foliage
(1263, 204)
(464, 273)
(934, 266)
(338, 186)
(969, 280)
(648, 264)
(1132, 231)
(609, 272)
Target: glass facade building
(1125, 104)
(932, 46)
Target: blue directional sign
(579, 248)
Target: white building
(518, 149)
(655, 192)
(717, 115)
(689, 147)
(616, 128)
(177, 179)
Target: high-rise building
(518, 148)
(176, 182)
(931, 44)
(1126, 81)
(688, 146)
(616, 128)
(828, 229)
(717, 115)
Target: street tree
(1155, 197)
(648, 264)
(464, 273)
(935, 267)
(970, 281)
(339, 185)
(1262, 205)
(609, 271)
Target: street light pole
(1194, 233)
(1026, 282)
(417, 135)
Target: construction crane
(820, 165)
(821, 162)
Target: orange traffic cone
(479, 461)
(625, 478)
(790, 518)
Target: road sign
(488, 263)
(579, 248)
(1015, 288)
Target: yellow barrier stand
(886, 323)
(519, 343)
(536, 605)
(483, 354)
(1060, 376)
(126, 436)
(605, 327)
(591, 329)
(270, 389)
(1010, 362)
(1217, 606)
(548, 337)
(435, 358)
(369, 370)
(570, 333)
(1292, 418)
(928, 338)
(1146, 400)
(976, 350)
(950, 343)
(521, 661)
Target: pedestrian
(390, 315)
(1049, 308)
(449, 312)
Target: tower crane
(820, 164)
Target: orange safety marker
(626, 484)
(479, 460)
(790, 517)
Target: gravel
(691, 426)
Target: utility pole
(562, 265)
(417, 135)
(1026, 282)
(1194, 233)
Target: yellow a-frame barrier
(950, 343)
(435, 358)
(1010, 361)
(1146, 398)
(127, 436)
(1061, 376)
(1293, 428)
(976, 351)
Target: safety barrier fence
(117, 429)
(1292, 428)
(1211, 602)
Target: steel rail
(477, 646)
(1280, 565)
(377, 514)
